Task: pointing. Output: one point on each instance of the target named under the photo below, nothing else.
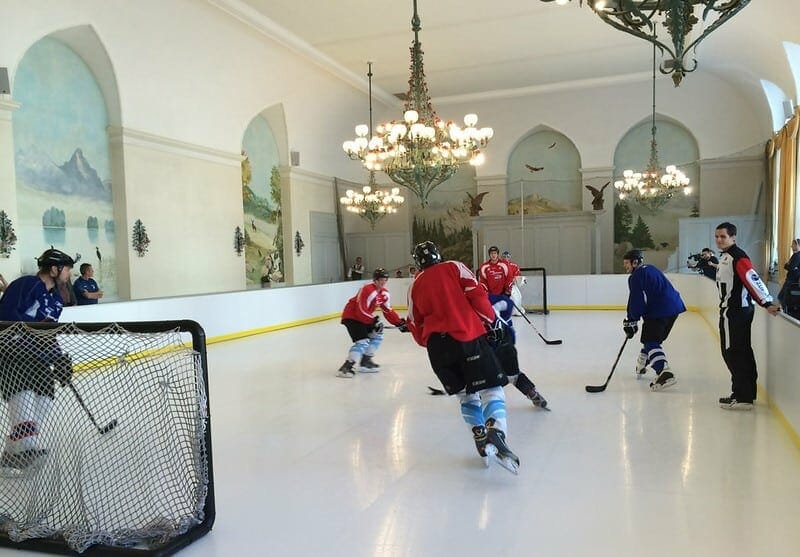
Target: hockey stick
(103, 430)
(601, 388)
(522, 312)
(435, 392)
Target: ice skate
(485, 451)
(368, 365)
(347, 370)
(641, 366)
(24, 460)
(730, 403)
(538, 400)
(496, 440)
(665, 379)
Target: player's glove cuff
(630, 327)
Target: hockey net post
(533, 288)
(68, 485)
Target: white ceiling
(475, 47)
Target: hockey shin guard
(471, 409)
(494, 406)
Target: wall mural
(447, 220)
(543, 175)
(261, 197)
(62, 163)
(636, 226)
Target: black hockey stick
(435, 392)
(522, 312)
(601, 388)
(103, 430)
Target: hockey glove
(496, 331)
(630, 327)
(62, 369)
(402, 326)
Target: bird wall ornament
(475, 203)
(534, 168)
(597, 196)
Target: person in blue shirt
(30, 364)
(86, 289)
(653, 299)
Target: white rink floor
(307, 464)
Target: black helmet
(379, 273)
(54, 257)
(634, 255)
(426, 254)
(494, 248)
(506, 255)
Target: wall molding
(137, 138)
(7, 106)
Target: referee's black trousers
(737, 351)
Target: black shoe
(347, 370)
(505, 457)
(665, 379)
(368, 365)
(538, 400)
(730, 403)
(480, 437)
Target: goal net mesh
(114, 453)
(532, 286)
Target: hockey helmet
(634, 256)
(55, 257)
(506, 255)
(379, 273)
(426, 254)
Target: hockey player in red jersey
(447, 309)
(365, 328)
(496, 274)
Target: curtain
(785, 143)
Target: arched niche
(544, 174)
(637, 226)
(264, 153)
(64, 165)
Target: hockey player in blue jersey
(29, 367)
(653, 299)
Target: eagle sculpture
(475, 203)
(534, 168)
(597, 196)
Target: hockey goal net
(107, 442)
(533, 289)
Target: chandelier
(421, 151)
(650, 188)
(372, 204)
(640, 18)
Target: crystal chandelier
(650, 188)
(640, 18)
(422, 151)
(372, 204)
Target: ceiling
(479, 47)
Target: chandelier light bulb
(362, 130)
(470, 120)
(410, 116)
